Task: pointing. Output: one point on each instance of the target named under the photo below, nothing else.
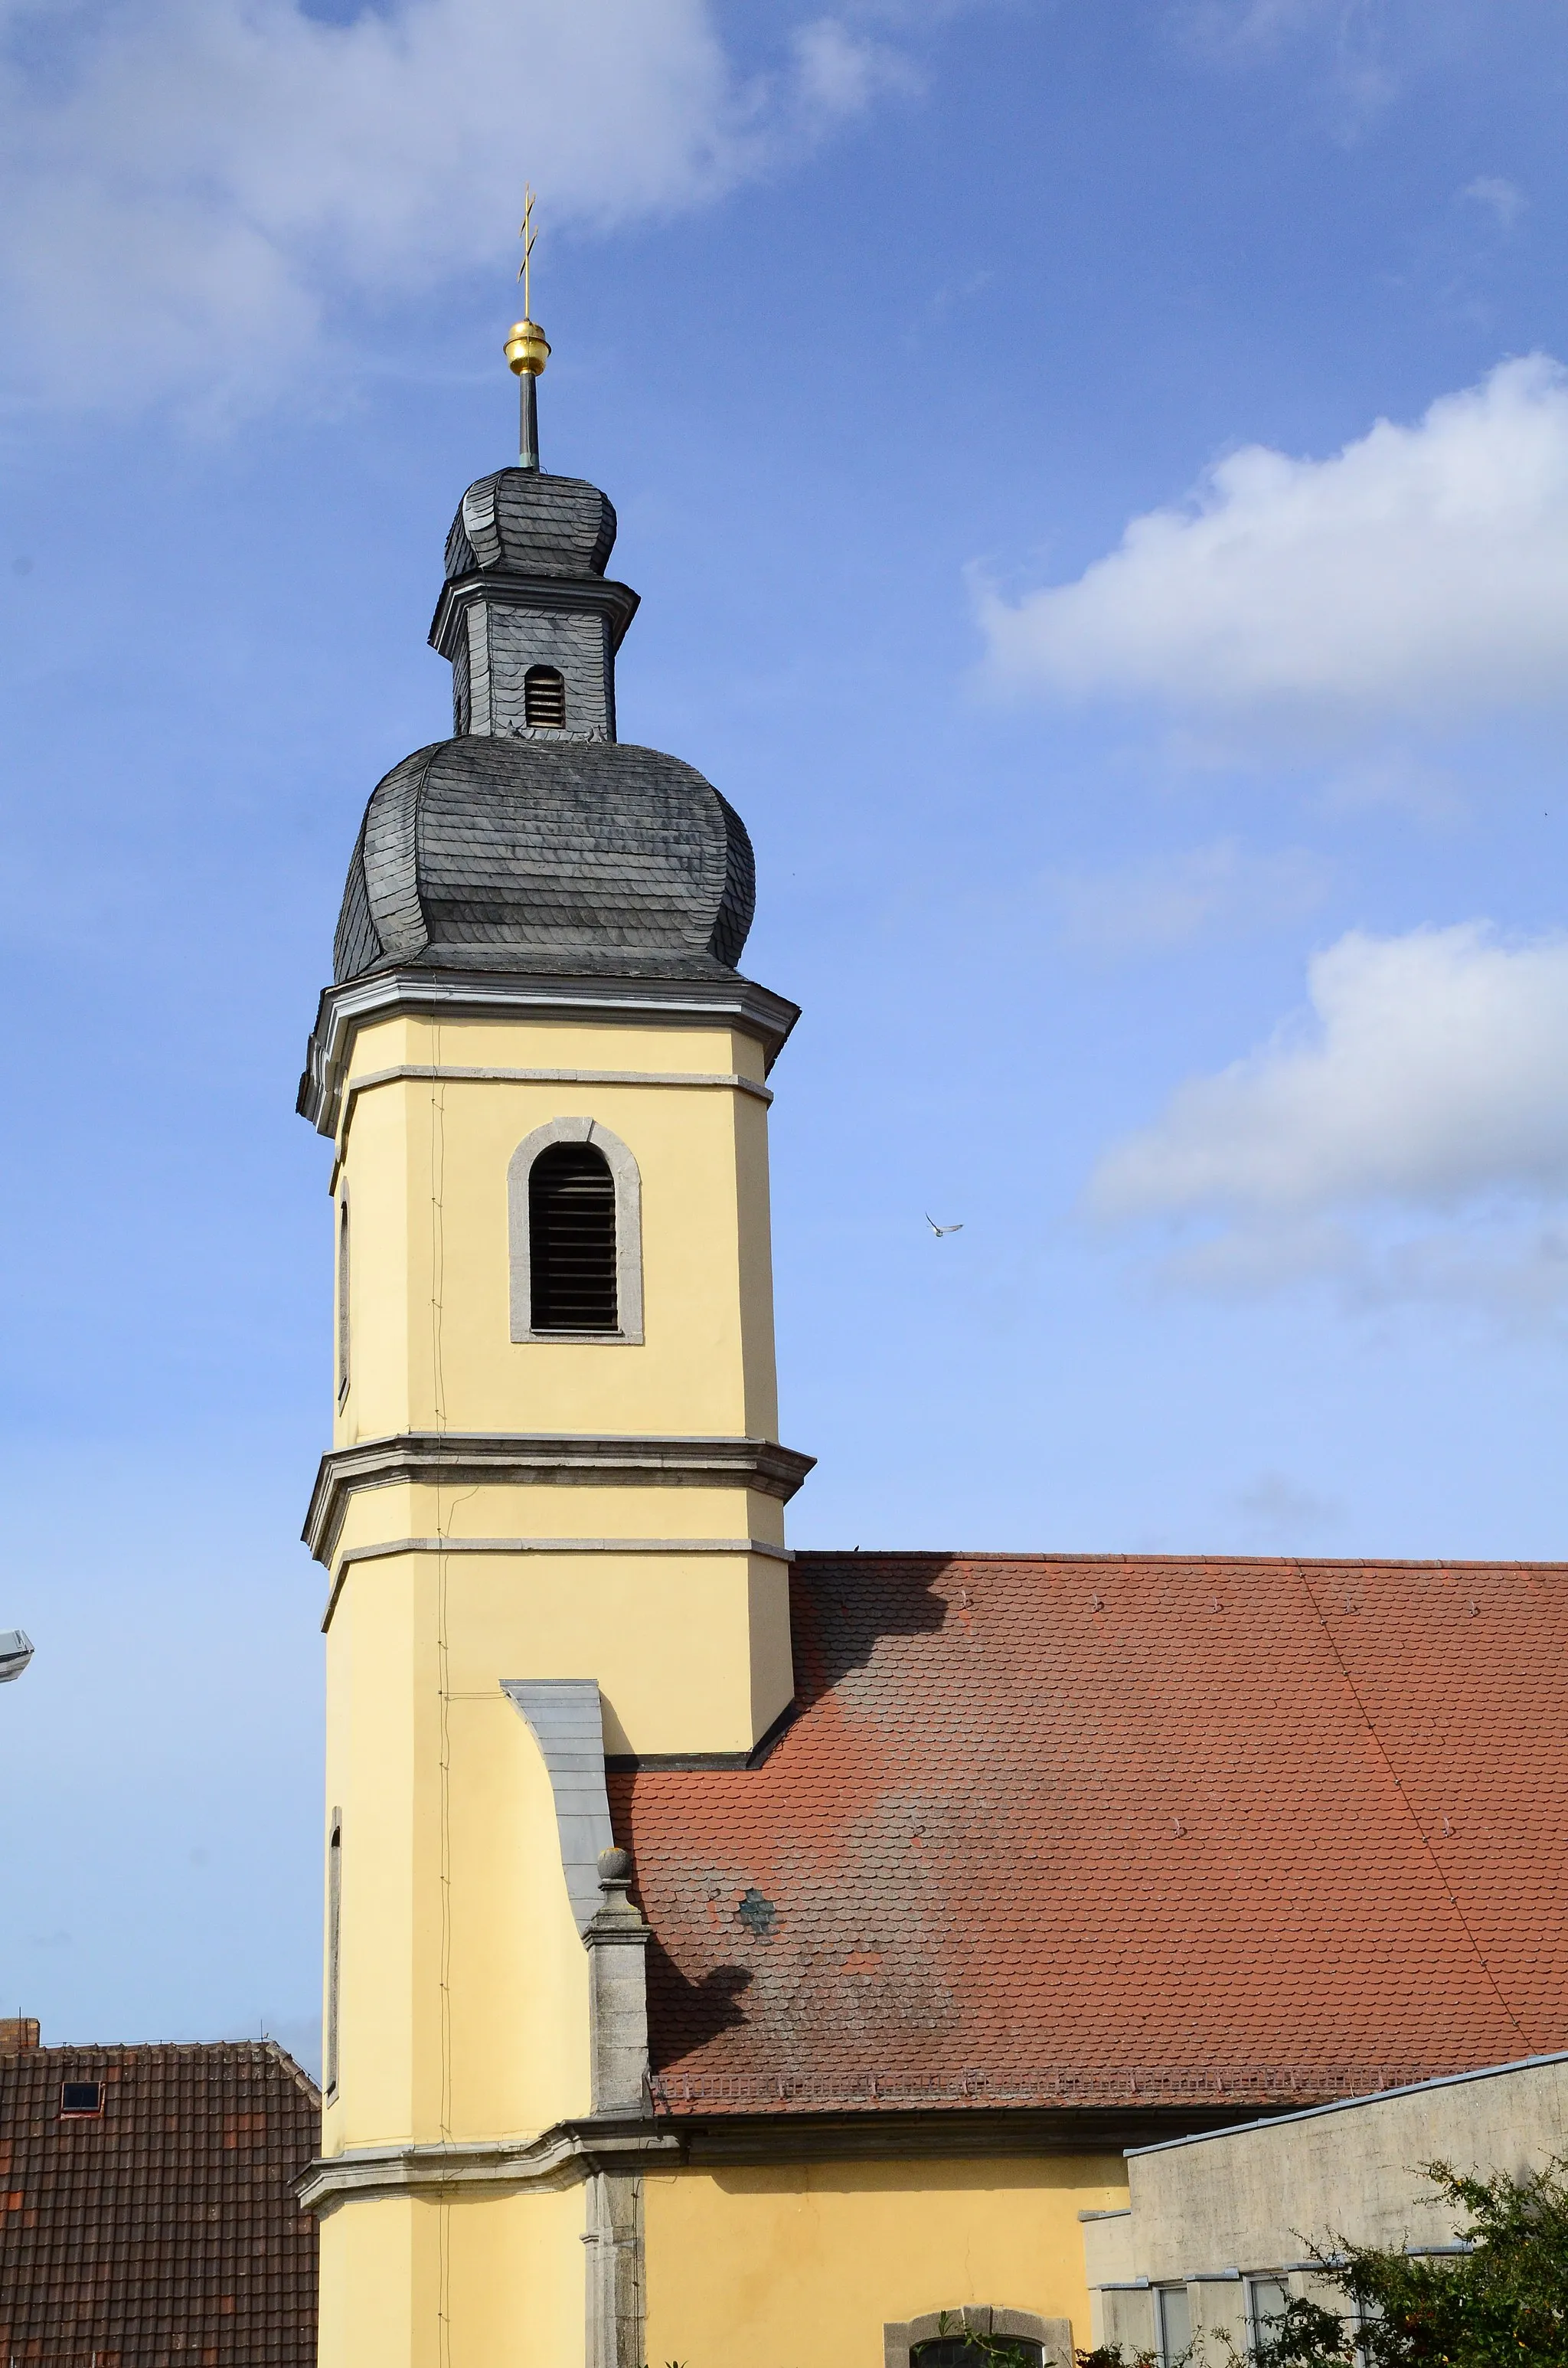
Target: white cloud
(1276, 1511)
(190, 186)
(1421, 573)
(1409, 1136)
(1352, 40)
(1503, 200)
(1222, 890)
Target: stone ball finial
(615, 1866)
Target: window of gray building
(1175, 2306)
(1268, 2300)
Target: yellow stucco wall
(468, 2282)
(463, 1983)
(423, 1164)
(806, 2263)
(778, 2268)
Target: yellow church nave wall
(799, 2263)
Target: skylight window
(79, 2100)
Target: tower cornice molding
(344, 1009)
(560, 594)
(469, 1459)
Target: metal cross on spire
(528, 233)
(527, 348)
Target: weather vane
(528, 350)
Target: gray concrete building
(1221, 2229)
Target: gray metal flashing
(560, 2156)
(563, 1716)
(628, 1181)
(1348, 2104)
(710, 999)
(511, 1459)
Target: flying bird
(940, 1230)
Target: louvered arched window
(571, 1240)
(544, 698)
(575, 1201)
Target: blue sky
(1097, 478)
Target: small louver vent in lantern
(544, 698)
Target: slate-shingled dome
(520, 855)
(522, 522)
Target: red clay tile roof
(1065, 1830)
(163, 2233)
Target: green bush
(1502, 2304)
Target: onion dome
(587, 858)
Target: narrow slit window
(571, 1240)
(334, 1939)
(343, 1299)
(544, 698)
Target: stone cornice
(713, 1002)
(562, 2157)
(587, 595)
(508, 1458)
(573, 2150)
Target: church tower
(551, 1516)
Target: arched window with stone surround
(941, 2338)
(963, 2351)
(544, 698)
(574, 1202)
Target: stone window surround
(628, 1231)
(1054, 2336)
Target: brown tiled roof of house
(1069, 1830)
(162, 2231)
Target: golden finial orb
(527, 348)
